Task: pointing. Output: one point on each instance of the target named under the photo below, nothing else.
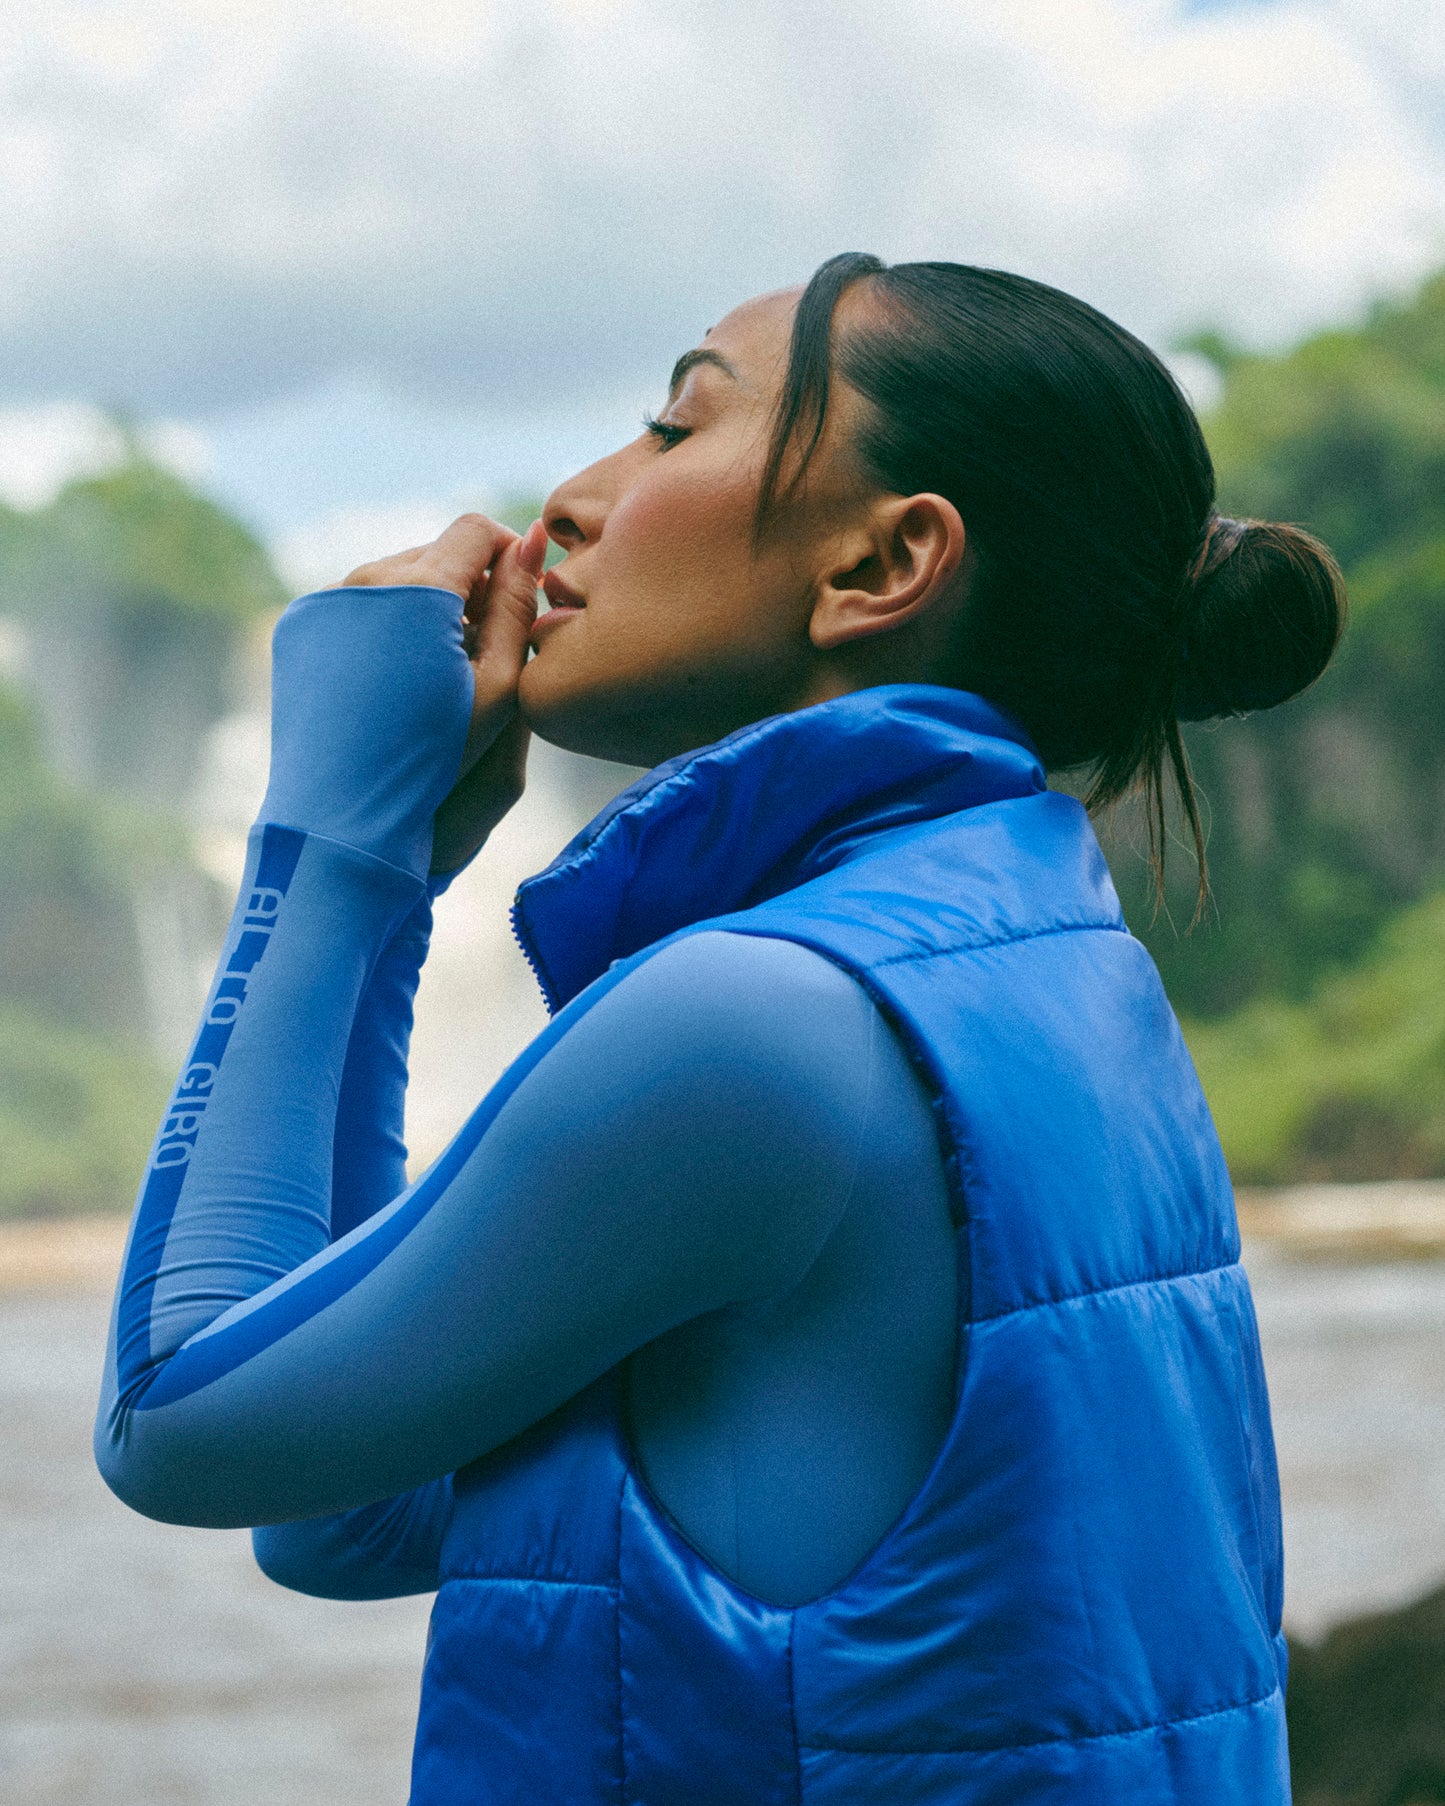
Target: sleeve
(371, 703)
(379, 1551)
(682, 1139)
(675, 1142)
(368, 1155)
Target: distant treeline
(1318, 990)
(1328, 815)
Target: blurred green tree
(122, 605)
(132, 590)
(1328, 815)
(1349, 1085)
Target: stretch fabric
(724, 1162)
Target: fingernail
(533, 552)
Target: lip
(563, 603)
(550, 621)
(560, 593)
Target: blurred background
(285, 287)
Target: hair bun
(1268, 607)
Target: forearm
(391, 1548)
(238, 1191)
(241, 1383)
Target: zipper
(529, 954)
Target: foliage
(79, 1094)
(77, 1112)
(132, 589)
(1350, 1085)
(141, 533)
(1327, 814)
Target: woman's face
(668, 627)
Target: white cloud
(1200, 378)
(321, 553)
(49, 444)
(517, 204)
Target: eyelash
(664, 430)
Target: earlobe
(917, 546)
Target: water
(1356, 1361)
(143, 1665)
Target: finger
(481, 798)
(459, 558)
(533, 549)
(508, 608)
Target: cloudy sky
(363, 262)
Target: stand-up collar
(758, 813)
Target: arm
(670, 1145)
(368, 1158)
(379, 1551)
(393, 1546)
(258, 1370)
(375, 708)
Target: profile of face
(672, 623)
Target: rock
(1367, 1710)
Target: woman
(821, 1368)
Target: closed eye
(665, 432)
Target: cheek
(677, 581)
(674, 528)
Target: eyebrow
(690, 361)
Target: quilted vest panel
(1082, 1602)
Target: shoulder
(724, 1076)
(763, 1009)
(724, 973)
(780, 1022)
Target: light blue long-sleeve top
(716, 1165)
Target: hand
(495, 573)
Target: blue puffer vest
(1082, 1603)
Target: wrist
(366, 901)
(371, 705)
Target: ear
(911, 548)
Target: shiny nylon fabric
(1082, 1602)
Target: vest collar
(772, 805)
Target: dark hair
(1108, 601)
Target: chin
(584, 718)
(628, 724)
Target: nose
(576, 510)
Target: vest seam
(1045, 1743)
(530, 1580)
(793, 1709)
(1123, 1285)
(994, 940)
(617, 1608)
